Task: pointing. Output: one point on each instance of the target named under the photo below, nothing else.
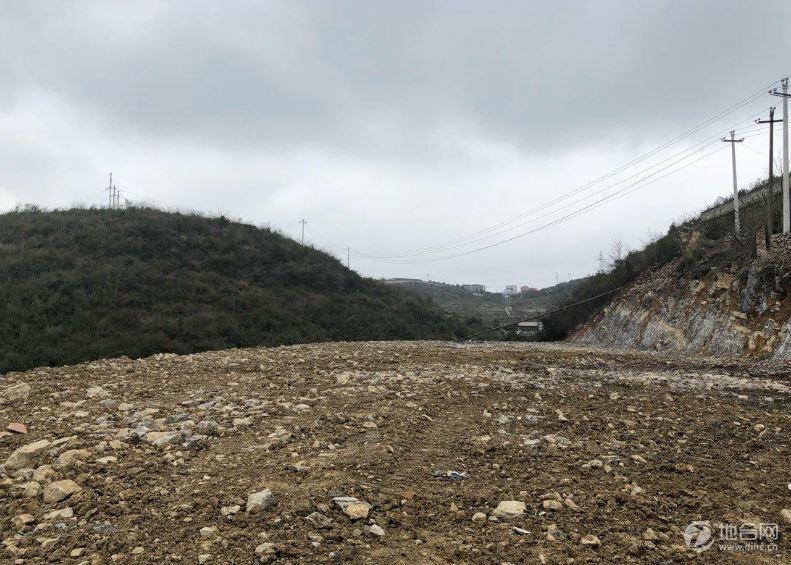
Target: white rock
(509, 509)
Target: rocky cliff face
(741, 308)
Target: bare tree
(617, 252)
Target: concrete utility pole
(733, 141)
(770, 196)
(303, 222)
(348, 257)
(784, 95)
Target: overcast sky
(391, 126)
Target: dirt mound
(391, 453)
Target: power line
(621, 168)
(461, 242)
(690, 150)
(619, 194)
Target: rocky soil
(392, 453)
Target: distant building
(530, 327)
(474, 287)
(402, 281)
(525, 289)
(511, 290)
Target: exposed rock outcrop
(728, 311)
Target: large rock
(260, 500)
(60, 490)
(26, 454)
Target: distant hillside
(90, 283)
(488, 307)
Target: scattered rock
(17, 428)
(26, 454)
(260, 500)
(60, 490)
(19, 391)
(590, 539)
(509, 509)
(352, 507)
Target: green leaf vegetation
(85, 284)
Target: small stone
(590, 539)
(17, 428)
(478, 516)
(73, 457)
(60, 490)
(319, 520)
(260, 500)
(352, 507)
(209, 532)
(77, 552)
(31, 489)
(203, 558)
(650, 535)
(162, 438)
(509, 509)
(138, 550)
(785, 514)
(96, 392)
(552, 505)
(520, 531)
(357, 510)
(265, 552)
(571, 504)
(377, 530)
(107, 460)
(24, 519)
(230, 510)
(43, 473)
(639, 459)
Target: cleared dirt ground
(612, 454)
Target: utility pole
(348, 257)
(733, 141)
(784, 95)
(303, 222)
(110, 193)
(770, 197)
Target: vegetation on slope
(86, 284)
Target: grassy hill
(85, 284)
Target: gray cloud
(390, 125)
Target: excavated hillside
(705, 302)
